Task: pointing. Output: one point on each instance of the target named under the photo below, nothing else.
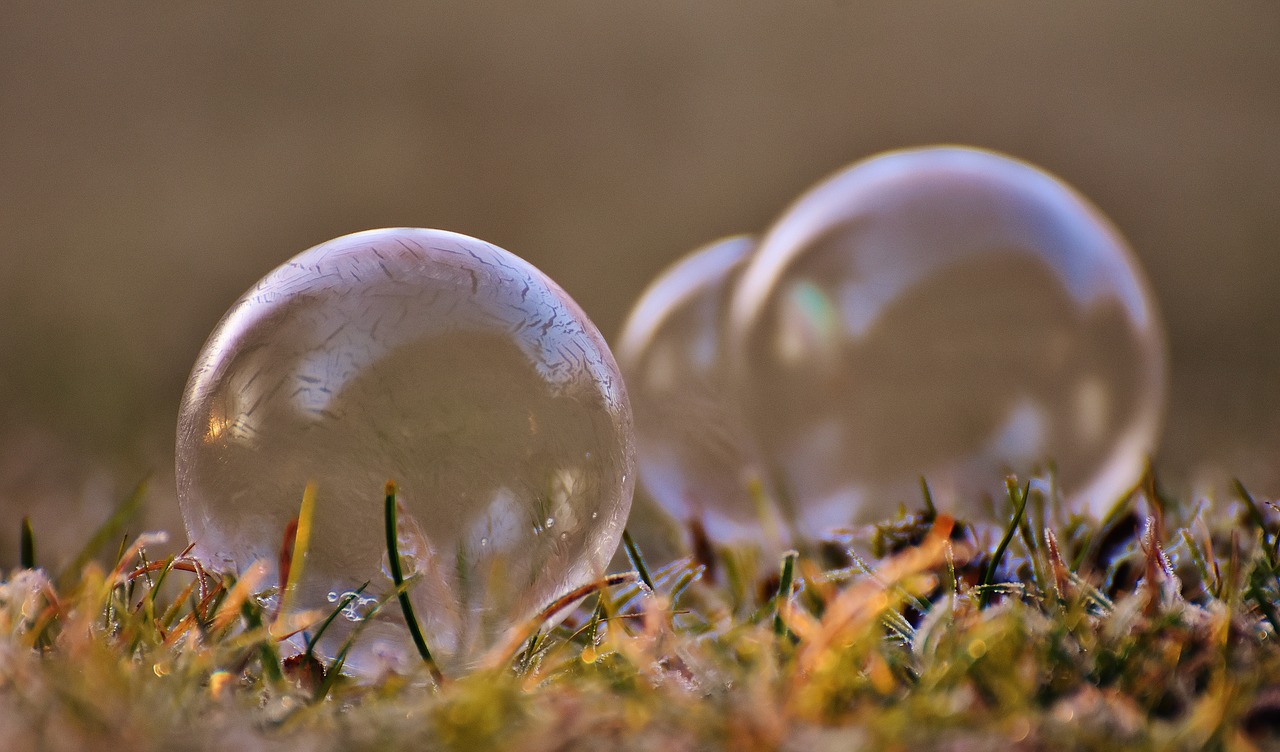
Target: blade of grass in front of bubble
(502, 653)
(251, 614)
(1035, 555)
(637, 560)
(367, 616)
(525, 659)
(782, 600)
(1020, 505)
(301, 544)
(332, 674)
(339, 608)
(160, 578)
(592, 627)
(397, 576)
(149, 600)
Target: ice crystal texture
(949, 313)
(445, 364)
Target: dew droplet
(440, 362)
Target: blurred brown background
(157, 158)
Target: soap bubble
(693, 444)
(948, 313)
(440, 362)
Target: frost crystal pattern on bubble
(445, 364)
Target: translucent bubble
(951, 313)
(435, 360)
(695, 452)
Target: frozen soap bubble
(948, 313)
(441, 362)
(695, 452)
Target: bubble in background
(696, 454)
(447, 365)
(952, 313)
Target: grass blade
(301, 544)
(27, 546)
(332, 674)
(930, 508)
(517, 637)
(397, 576)
(785, 580)
(346, 601)
(637, 561)
(1020, 507)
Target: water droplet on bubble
(692, 440)
(951, 313)
(435, 360)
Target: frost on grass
(1153, 629)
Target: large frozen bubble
(447, 365)
(949, 313)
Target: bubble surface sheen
(695, 450)
(445, 364)
(948, 313)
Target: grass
(1154, 629)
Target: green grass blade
(786, 579)
(27, 546)
(331, 676)
(346, 601)
(637, 561)
(686, 578)
(301, 546)
(1020, 507)
(397, 576)
(930, 509)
